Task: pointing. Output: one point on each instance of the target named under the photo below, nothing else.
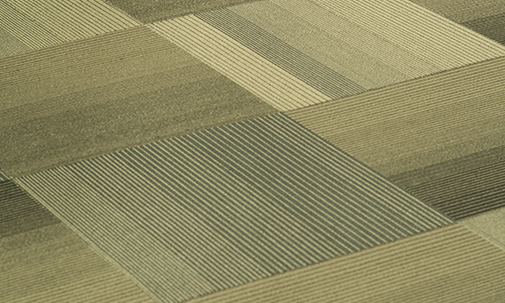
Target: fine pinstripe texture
(252, 151)
(41, 260)
(70, 20)
(484, 17)
(460, 187)
(272, 84)
(24, 29)
(128, 88)
(264, 196)
(417, 123)
(418, 129)
(149, 11)
(408, 270)
(490, 225)
(338, 54)
(463, 10)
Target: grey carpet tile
(323, 46)
(492, 26)
(461, 187)
(128, 88)
(262, 196)
(40, 24)
(149, 11)
(450, 264)
(490, 225)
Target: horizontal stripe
(450, 264)
(269, 82)
(417, 123)
(461, 187)
(129, 88)
(263, 196)
(490, 225)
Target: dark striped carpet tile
(450, 264)
(492, 26)
(41, 260)
(259, 197)
(463, 10)
(127, 88)
(490, 225)
(418, 123)
(39, 24)
(148, 11)
(19, 212)
(460, 187)
(346, 47)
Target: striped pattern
(461, 187)
(463, 10)
(148, 162)
(128, 88)
(340, 53)
(76, 19)
(272, 84)
(253, 191)
(149, 11)
(41, 260)
(450, 264)
(490, 225)
(484, 17)
(25, 30)
(3, 177)
(492, 27)
(413, 131)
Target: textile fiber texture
(252, 151)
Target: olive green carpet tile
(490, 225)
(283, 50)
(252, 151)
(128, 88)
(26, 24)
(229, 205)
(42, 260)
(450, 264)
(484, 17)
(440, 136)
(149, 11)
